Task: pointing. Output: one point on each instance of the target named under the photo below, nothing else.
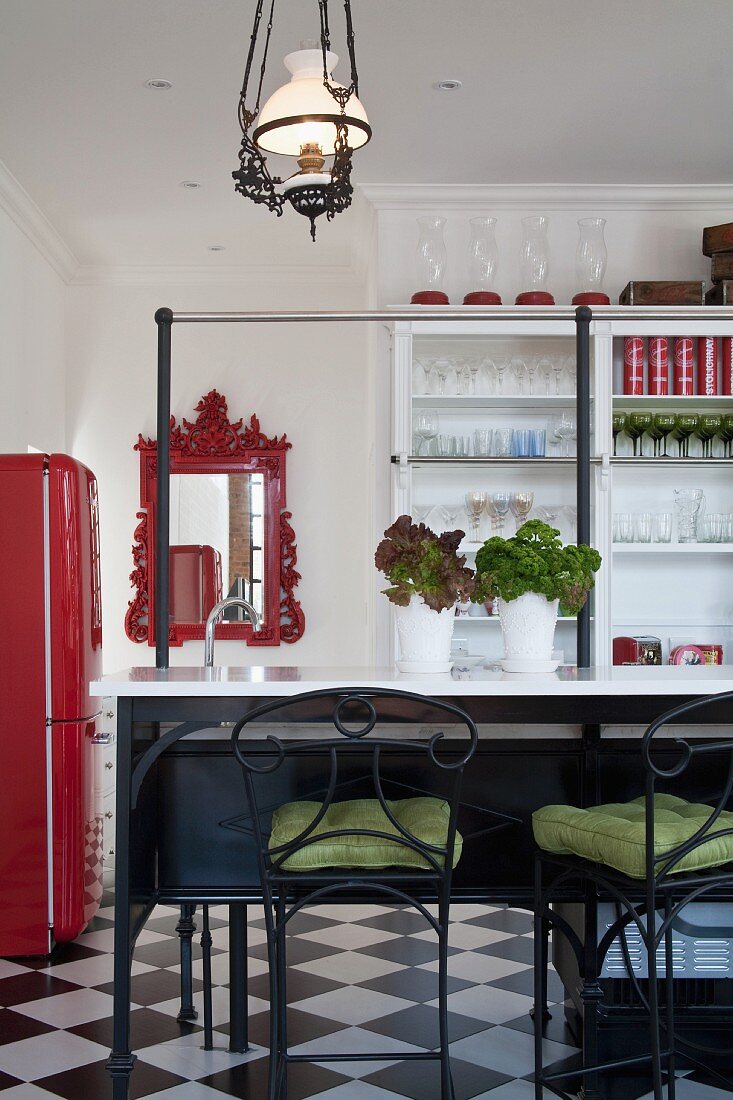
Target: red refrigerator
(50, 838)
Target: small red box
(644, 650)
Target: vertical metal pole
(238, 1006)
(164, 320)
(583, 317)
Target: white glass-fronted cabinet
(489, 407)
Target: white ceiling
(554, 91)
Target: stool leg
(591, 994)
(656, 1054)
(206, 950)
(540, 978)
(282, 996)
(185, 928)
(446, 1084)
(669, 986)
(238, 1004)
(273, 1076)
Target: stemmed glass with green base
(685, 424)
(707, 428)
(662, 425)
(725, 433)
(636, 424)
(618, 425)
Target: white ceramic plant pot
(424, 637)
(528, 626)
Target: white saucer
(520, 664)
(467, 661)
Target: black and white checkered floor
(360, 978)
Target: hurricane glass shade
(304, 112)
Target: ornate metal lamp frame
(213, 444)
(253, 179)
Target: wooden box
(720, 294)
(717, 238)
(722, 266)
(639, 293)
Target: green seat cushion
(615, 834)
(426, 818)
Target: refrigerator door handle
(102, 739)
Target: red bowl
(535, 298)
(482, 298)
(591, 298)
(429, 298)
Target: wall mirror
(230, 533)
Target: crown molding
(30, 219)
(548, 196)
(204, 275)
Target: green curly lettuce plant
(535, 560)
(417, 561)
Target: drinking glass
(662, 423)
(727, 533)
(572, 515)
(710, 527)
(636, 424)
(461, 446)
(565, 430)
(544, 369)
(419, 376)
(519, 369)
(624, 527)
(643, 527)
(502, 442)
(475, 504)
(521, 505)
(662, 527)
(443, 368)
(482, 441)
(472, 367)
(558, 365)
(452, 512)
(499, 507)
(500, 366)
(550, 512)
(425, 426)
(445, 445)
(532, 364)
(708, 427)
(618, 425)
(520, 442)
(684, 426)
(725, 433)
(687, 505)
(537, 442)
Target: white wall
(311, 382)
(32, 300)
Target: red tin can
(707, 366)
(658, 365)
(683, 366)
(633, 365)
(727, 379)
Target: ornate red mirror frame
(213, 445)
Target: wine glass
(521, 505)
(708, 427)
(425, 426)
(532, 364)
(473, 367)
(684, 426)
(550, 513)
(725, 433)
(558, 365)
(636, 424)
(663, 423)
(519, 369)
(618, 425)
(443, 367)
(499, 506)
(572, 516)
(500, 366)
(565, 430)
(570, 366)
(419, 376)
(544, 368)
(475, 504)
(452, 512)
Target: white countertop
(271, 680)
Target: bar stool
(652, 857)
(401, 848)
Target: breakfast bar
(569, 737)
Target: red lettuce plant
(417, 561)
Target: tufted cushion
(615, 834)
(425, 818)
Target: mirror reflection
(216, 544)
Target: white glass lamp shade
(281, 127)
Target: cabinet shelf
(669, 460)
(649, 403)
(499, 402)
(480, 460)
(673, 548)
(461, 620)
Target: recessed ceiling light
(448, 85)
(158, 84)
(216, 247)
(190, 185)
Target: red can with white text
(707, 366)
(727, 378)
(658, 365)
(683, 366)
(633, 365)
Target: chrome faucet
(215, 614)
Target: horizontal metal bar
(669, 460)
(376, 1056)
(485, 460)
(465, 313)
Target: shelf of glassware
(494, 402)
(672, 548)
(672, 403)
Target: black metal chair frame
(661, 893)
(285, 892)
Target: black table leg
(238, 1010)
(121, 1060)
(185, 928)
